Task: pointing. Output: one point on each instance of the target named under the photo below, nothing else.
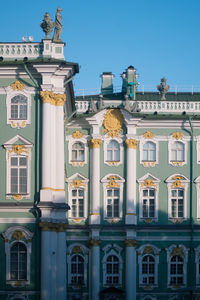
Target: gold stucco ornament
(177, 251)
(18, 235)
(148, 250)
(112, 182)
(94, 143)
(77, 134)
(113, 122)
(148, 135)
(53, 98)
(18, 149)
(131, 143)
(177, 184)
(17, 86)
(76, 249)
(148, 183)
(177, 135)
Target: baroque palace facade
(99, 195)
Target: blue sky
(159, 38)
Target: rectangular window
(112, 206)
(177, 203)
(148, 203)
(77, 203)
(19, 174)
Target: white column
(45, 265)
(131, 182)
(95, 269)
(130, 269)
(95, 180)
(61, 266)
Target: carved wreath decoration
(113, 122)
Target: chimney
(106, 83)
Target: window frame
(197, 261)
(82, 184)
(149, 163)
(106, 142)
(112, 250)
(83, 252)
(174, 183)
(13, 150)
(26, 92)
(171, 161)
(119, 184)
(73, 140)
(148, 181)
(10, 240)
(148, 250)
(184, 255)
(78, 150)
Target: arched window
(148, 270)
(176, 270)
(178, 151)
(19, 108)
(18, 261)
(177, 203)
(148, 203)
(78, 152)
(77, 203)
(112, 203)
(77, 270)
(113, 151)
(112, 270)
(149, 151)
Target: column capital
(94, 143)
(53, 98)
(130, 243)
(94, 242)
(131, 143)
(50, 226)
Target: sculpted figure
(47, 25)
(58, 26)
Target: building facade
(99, 194)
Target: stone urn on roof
(163, 88)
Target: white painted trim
(170, 146)
(120, 181)
(107, 140)
(155, 255)
(71, 142)
(147, 163)
(184, 182)
(84, 187)
(84, 255)
(8, 244)
(197, 181)
(10, 94)
(185, 260)
(141, 181)
(17, 220)
(112, 249)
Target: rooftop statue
(58, 26)
(47, 25)
(163, 88)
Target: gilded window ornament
(113, 122)
(94, 143)
(53, 98)
(76, 249)
(17, 197)
(131, 143)
(18, 235)
(148, 220)
(148, 250)
(94, 242)
(18, 149)
(17, 86)
(77, 134)
(18, 124)
(148, 135)
(77, 183)
(177, 251)
(112, 182)
(148, 183)
(177, 184)
(177, 135)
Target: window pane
(14, 161)
(23, 181)
(14, 181)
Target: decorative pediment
(148, 249)
(17, 140)
(177, 177)
(77, 181)
(17, 233)
(148, 178)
